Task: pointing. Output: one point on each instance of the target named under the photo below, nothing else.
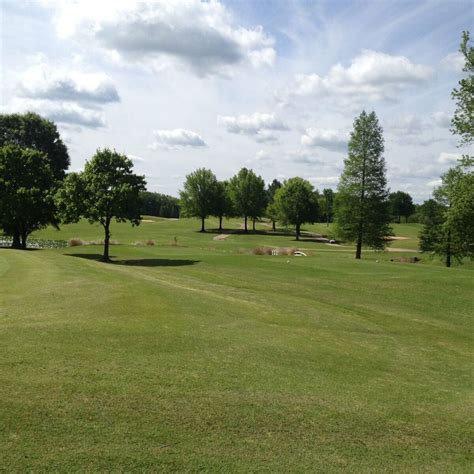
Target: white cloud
(407, 125)
(324, 180)
(199, 34)
(449, 158)
(325, 138)
(61, 112)
(45, 81)
(177, 138)
(442, 119)
(453, 61)
(371, 76)
(435, 183)
(136, 159)
(260, 126)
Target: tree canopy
(247, 191)
(27, 187)
(198, 196)
(362, 212)
(401, 204)
(106, 189)
(296, 203)
(463, 120)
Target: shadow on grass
(140, 262)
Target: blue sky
(274, 86)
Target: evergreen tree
(362, 212)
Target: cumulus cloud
(324, 180)
(60, 112)
(202, 35)
(434, 183)
(136, 159)
(320, 137)
(260, 126)
(44, 81)
(453, 62)
(175, 139)
(371, 76)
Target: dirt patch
(397, 238)
(221, 237)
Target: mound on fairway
(195, 355)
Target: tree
(35, 132)
(362, 212)
(27, 187)
(106, 189)
(463, 120)
(297, 203)
(328, 205)
(160, 205)
(448, 229)
(222, 201)
(401, 204)
(198, 197)
(247, 191)
(271, 211)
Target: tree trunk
(253, 224)
(202, 225)
(220, 222)
(298, 226)
(245, 225)
(361, 210)
(399, 219)
(106, 258)
(448, 250)
(274, 226)
(16, 244)
(24, 236)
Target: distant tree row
(159, 205)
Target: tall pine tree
(362, 208)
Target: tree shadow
(140, 262)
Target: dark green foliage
(27, 187)
(247, 191)
(296, 203)
(106, 189)
(463, 120)
(198, 196)
(222, 202)
(401, 204)
(362, 208)
(327, 205)
(30, 130)
(271, 210)
(449, 218)
(159, 205)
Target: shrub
(75, 242)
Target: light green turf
(203, 357)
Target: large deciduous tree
(27, 187)
(106, 189)
(448, 229)
(271, 210)
(198, 196)
(401, 204)
(327, 202)
(222, 202)
(463, 120)
(247, 191)
(297, 203)
(362, 208)
(32, 131)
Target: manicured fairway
(195, 355)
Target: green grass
(204, 357)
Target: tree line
(36, 191)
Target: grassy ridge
(203, 357)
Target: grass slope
(202, 357)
